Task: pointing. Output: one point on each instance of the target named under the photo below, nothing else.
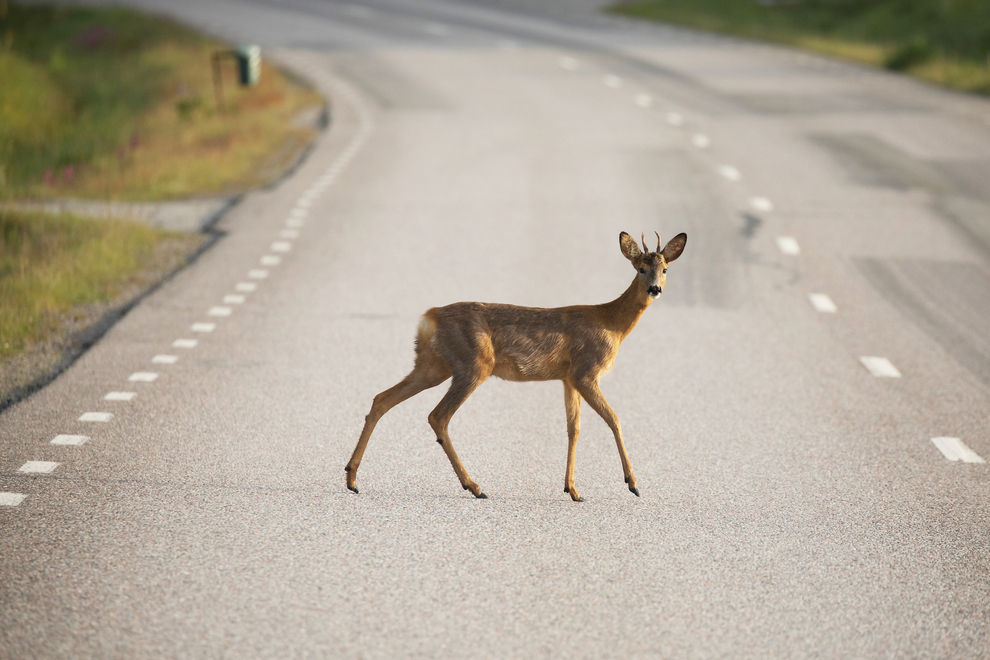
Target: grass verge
(110, 103)
(945, 42)
(61, 274)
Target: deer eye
(642, 270)
(665, 270)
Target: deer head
(651, 266)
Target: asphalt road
(793, 503)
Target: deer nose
(654, 291)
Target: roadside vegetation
(942, 41)
(110, 103)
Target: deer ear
(674, 247)
(628, 246)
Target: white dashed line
(761, 204)
(644, 100)
(788, 245)
(119, 396)
(822, 303)
(257, 273)
(955, 449)
(303, 203)
(38, 467)
(96, 417)
(184, 343)
(613, 81)
(674, 118)
(568, 63)
(298, 213)
(161, 358)
(246, 287)
(289, 233)
(880, 367)
(294, 222)
(729, 172)
(233, 299)
(701, 141)
(203, 327)
(219, 311)
(71, 440)
(270, 260)
(143, 377)
(281, 246)
(11, 499)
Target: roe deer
(470, 341)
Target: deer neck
(622, 314)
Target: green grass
(52, 269)
(111, 103)
(942, 41)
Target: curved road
(798, 498)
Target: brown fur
(470, 341)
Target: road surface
(790, 405)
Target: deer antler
(658, 240)
(643, 236)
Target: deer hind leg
(572, 404)
(593, 395)
(462, 385)
(422, 377)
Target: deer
(470, 341)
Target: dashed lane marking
(294, 222)
(644, 100)
(219, 311)
(701, 141)
(119, 396)
(203, 327)
(11, 499)
(246, 287)
(143, 377)
(257, 273)
(568, 63)
(880, 367)
(289, 233)
(761, 204)
(96, 417)
(69, 439)
(281, 246)
(184, 343)
(270, 260)
(612, 80)
(955, 449)
(233, 299)
(788, 245)
(298, 212)
(674, 118)
(822, 303)
(729, 172)
(38, 467)
(162, 358)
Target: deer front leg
(572, 404)
(593, 395)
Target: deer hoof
(481, 496)
(354, 488)
(634, 490)
(579, 499)
(566, 489)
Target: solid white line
(644, 100)
(184, 343)
(674, 118)
(38, 467)
(233, 299)
(700, 140)
(95, 417)
(120, 396)
(246, 287)
(66, 439)
(143, 377)
(880, 367)
(257, 273)
(203, 327)
(281, 246)
(822, 303)
(161, 358)
(270, 260)
(788, 245)
(729, 172)
(612, 80)
(955, 449)
(219, 311)
(11, 499)
(761, 204)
